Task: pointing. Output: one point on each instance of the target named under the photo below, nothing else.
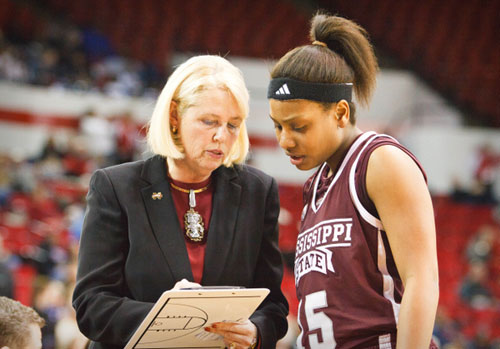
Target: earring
(174, 130)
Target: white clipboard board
(179, 317)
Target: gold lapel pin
(157, 196)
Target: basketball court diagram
(176, 321)
(179, 318)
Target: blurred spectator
(49, 67)
(67, 333)
(74, 214)
(50, 150)
(96, 45)
(474, 289)
(19, 326)
(43, 203)
(98, 134)
(43, 257)
(446, 330)
(49, 301)
(50, 167)
(16, 216)
(484, 173)
(485, 169)
(5, 179)
(77, 161)
(12, 66)
(62, 55)
(481, 244)
(126, 138)
(35, 221)
(481, 341)
(125, 81)
(22, 175)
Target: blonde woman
(190, 215)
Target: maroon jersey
(347, 282)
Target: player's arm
(397, 187)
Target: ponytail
(340, 53)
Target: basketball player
(367, 231)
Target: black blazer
(132, 248)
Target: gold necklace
(193, 221)
(187, 191)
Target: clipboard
(178, 318)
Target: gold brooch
(157, 196)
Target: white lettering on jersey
(314, 246)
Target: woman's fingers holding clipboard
(185, 284)
(241, 334)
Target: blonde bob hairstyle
(197, 74)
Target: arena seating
(452, 44)
(151, 29)
(456, 225)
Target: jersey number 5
(317, 320)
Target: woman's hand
(185, 284)
(239, 335)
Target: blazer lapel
(163, 218)
(225, 208)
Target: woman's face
(208, 131)
(305, 131)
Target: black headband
(284, 89)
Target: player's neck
(338, 156)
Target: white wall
(450, 154)
(21, 141)
(56, 101)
